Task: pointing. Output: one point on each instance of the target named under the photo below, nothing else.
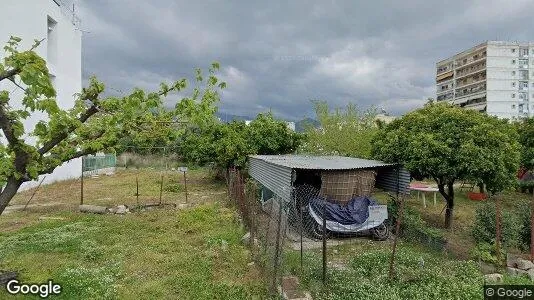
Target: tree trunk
(8, 192)
(481, 187)
(449, 197)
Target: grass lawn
(193, 253)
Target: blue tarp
(354, 212)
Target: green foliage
(448, 143)
(418, 275)
(173, 187)
(229, 144)
(415, 229)
(487, 253)
(526, 139)
(93, 124)
(346, 132)
(511, 226)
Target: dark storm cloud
(279, 55)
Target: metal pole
(324, 243)
(160, 189)
(33, 194)
(81, 184)
(185, 185)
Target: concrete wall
(503, 84)
(29, 19)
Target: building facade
(494, 77)
(55, 22)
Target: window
(523, 74)
(520, 108)
(513, 106)
(513, 73)
(523, 96)
(513, 50)
(523, 84)
(513, 61)
(513, 95)
(513, 84)
(51, 41)
(523, 62)
(523, 51)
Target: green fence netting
(91, 163)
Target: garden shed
(337, 178)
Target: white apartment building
(56, 22)
(494, 77)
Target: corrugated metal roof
(321, 162)
(274, 177)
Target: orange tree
(447, 143)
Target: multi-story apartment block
(55, 23)
(493, 77)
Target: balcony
(471, 70)
(471, 90)
(478, 78)
(444, 77)
(477, 57)
(445, 96)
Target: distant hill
(300, 126)
(229, 117)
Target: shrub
(415, 229)
(484, 226)
(486, 253)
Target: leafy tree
(347, 131)
(526, 139)
(447, 144)
(232, 145)
(229, 144)
(93, 124)
(266, 135)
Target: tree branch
(52, 143)
(15, 83)
(9, 73)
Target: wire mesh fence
(293, 239)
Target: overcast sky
(279, 55)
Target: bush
(525, 186)
(418, 275)
(487, 253)
(415, 229)
(511, 227)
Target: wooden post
(324, 243)
(137, 189)
(185, 185)
(33, 194)
(301, 231)
(81, 185)
(532, 229)
(498, 229)
(397, 232)
(160, 189)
